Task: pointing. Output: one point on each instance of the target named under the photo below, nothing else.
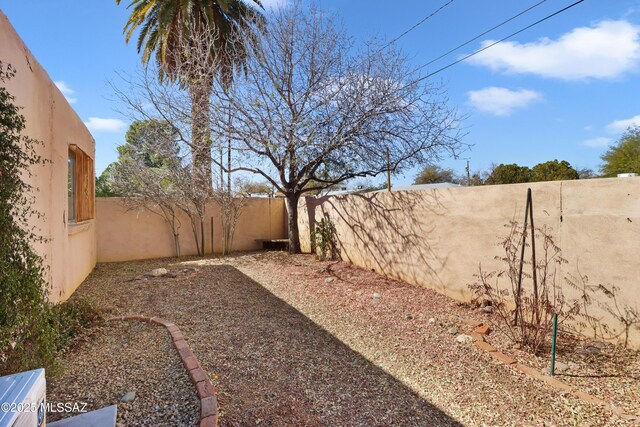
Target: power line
(499, 41)
(425, 19)
(480, 35)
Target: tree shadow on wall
(390, 232)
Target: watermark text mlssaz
(50, 407)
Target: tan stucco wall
(437, 238)
(70, 253)
(140, 234)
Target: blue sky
(564, 89)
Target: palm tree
(167, 26)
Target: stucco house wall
(70, 249)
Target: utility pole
(388, 172)
(468, 174)
(229, 153)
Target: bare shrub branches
(535, 310)
(183, 104)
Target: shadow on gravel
(277, 367)
(270, 365)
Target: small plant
(534, 304)
(72, 319)
(55, 329)
(325, 239)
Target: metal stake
(554, 334)
(527, 209)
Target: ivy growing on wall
(27, 336)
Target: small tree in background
(586, 173)
(435, 174)
(553, 171)
(232, 201)
(152, 173)
(105, 183)
(624, 157)
(509, 174)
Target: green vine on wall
(325, 239)
(32, 331)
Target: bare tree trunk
(201, 237)
(291, 201)
(176, 240)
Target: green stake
(554, 334)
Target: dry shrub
(540, 296)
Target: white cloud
(604, 51)
(66, 91)
(597, 142)
(274, 4)
(97, 124)
(501, 101)
(619, 126)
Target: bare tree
(314, 108)
(148, 98)
(164, 186)
(232, 201)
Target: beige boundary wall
(125, 234)
(70, 252)
(437, 238)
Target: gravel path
(294, 341)
(127, 357)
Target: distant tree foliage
(140, 141)
(553, 170)
(140, 145)
(256, 188)
(509, 174)
(587, 173)
(150, 173)
(624, 157)
(435, 174)
(105, 183)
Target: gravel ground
(288, 340)
(124, 357)
(612, 373)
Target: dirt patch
(288, 340)
(128, 357)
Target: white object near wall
(22, 399)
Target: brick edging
(478, 335)
(206, 393)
